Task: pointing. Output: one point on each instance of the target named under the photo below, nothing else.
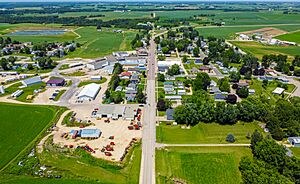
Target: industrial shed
(89, 92)
(56, 82)
(32, 81)
(130, 113)
(90, 133)
(97, 64)
(110, 111)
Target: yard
(200, 165)
(204, 133)
(296, 152)
(20, 131)
(83, 83)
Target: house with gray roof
(32, 81)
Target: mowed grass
(258, 49)
(204, 133)
(83, 83)
(296, 152)
(292, 37)
(200, 165)
(21, 124)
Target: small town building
(251, 91)
(170, 114)
(98, 64)
(294, 141)
(205, 69)
(173, 97)
(89, 92)
(220, 97)
(2, 91)
(90, 133)
(278, 91)
(129, 113)
(56, 82)
(121, 54)
(96, 77)
(32, 81)
(181, 92)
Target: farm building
(170, 113)
(2, 91)
(32, 81)
(130, 113)
(56, 82)
(89, 92)
(295, 141)
(97, 64)
(109, 111)
(90, 133)
(278, 91)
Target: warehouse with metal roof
(89, 92)
(110, 111)
(32, 81)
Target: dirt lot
(43, 98)
(266, 32)
(116, 128)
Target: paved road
(158, 145)
(147, 173)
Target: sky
(149, 0)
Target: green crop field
(259, 50)
(19, 131)
(200, 165)
(204, 133)
(97, 44)
(292, 37)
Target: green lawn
(61, 92)
(83, 83)
(27, 91)
(19, 131)
(259, 50)
(74, 74)
(296, 152)
(200, 165)
(11, 179)
(204, 133)
(292, 37)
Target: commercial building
(32, 81)
(86, 133)
(98, 64)
(110, 111)
(56, 82)
(89, 92)
(129, 113)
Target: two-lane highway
(147, 174)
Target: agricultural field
(23, 129)
(258, 49)
(8, 179)
(292, 37)
(204, 133)
(97, 44)
(200, 165)
(229, 32)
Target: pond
(38, 32)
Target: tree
(201, 82)
(196, 52)
(186, 114)
(174, 70)
(265, 83)
(162, 105)
(30, 66)
(234, 76)
(4, 64)
(242, 92)
(116, 97)
(247, 111)
(165, 50)
(161, 57)
(226, 114)
(206, 61)
(231, 98)
(224, 84)
(256, 137)
(184, 59)
(161, 77)
(140, 96)
(118, 68)
(230, 138)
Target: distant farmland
(292, 37)
(20, 125)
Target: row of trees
(110, 94)
(282, 119)
(270, 163)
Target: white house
(89, 92)
(278, 91)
